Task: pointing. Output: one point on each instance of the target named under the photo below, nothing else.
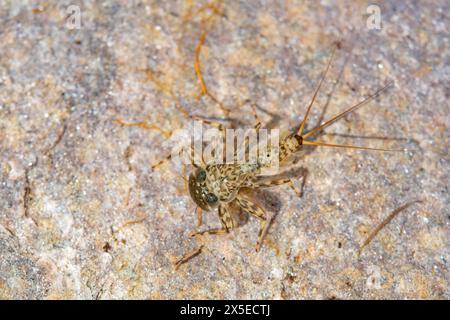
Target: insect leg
(169, 157)
(255, 210)
(188, 256)
(275, 182)
(199, 216)
(265, 182)
(212, 123)
(147, 126)
(258, 122)
(225, 219)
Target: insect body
(220, 183)
(218, 186)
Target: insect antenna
(324, 144)
(199, 212)
(302, 125)
(302, 136)
(339, 116)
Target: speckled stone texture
(83, 216)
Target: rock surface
(83, 215)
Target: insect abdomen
(289, 145)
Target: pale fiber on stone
(98, 223)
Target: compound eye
(201, 176)
(211, 198)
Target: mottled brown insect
(218, 186)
